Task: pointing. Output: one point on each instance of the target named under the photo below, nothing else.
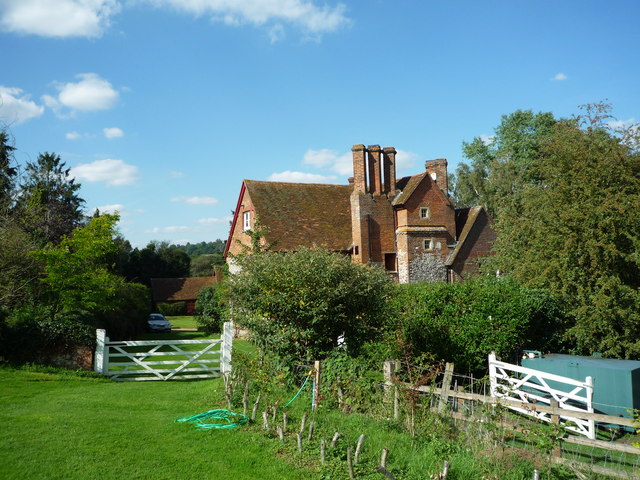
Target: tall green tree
(78, 271)
(504, 165)
(19, 271)
(48, 203)
(578, 231)
(8, 172)
(157, 260)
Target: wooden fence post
(356, 457)
(255, 408)
(316, 385)
(389, 370)
(446, 385)
(350, 463)
(555, 420)
(101, 359)
(225, 348)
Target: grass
(64, 426)
(61, 425)
(183, 322)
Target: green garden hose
(296, 395)
(230, 419)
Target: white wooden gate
(532, 386)
(164, 359)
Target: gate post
(101, 360)
(225, 350)
(591, 427)
(493, 375)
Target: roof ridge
(299, 183)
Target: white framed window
(425, 212)
(428, 244)
(246, 221)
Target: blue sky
(162, 107)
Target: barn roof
(178, 289)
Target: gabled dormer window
(425, 212)
(246, 221)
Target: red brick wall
(373, 227)
(477, 245)
(428, 195)
(238, 237)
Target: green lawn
(61, 426)
(183, 322)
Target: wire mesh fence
(469, 405)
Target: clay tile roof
(299, 214)
(407, 185)
(178, 289)
(465, 218)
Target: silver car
(157, 323)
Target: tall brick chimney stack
(375, 176)
(389, 169)
(359, 174)
(438, 170)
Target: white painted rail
(144, 360)
(522, 384)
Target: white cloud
(176, 174)
(406, 160)
(209, 221)
(319, 158)
(487, 139)
(276, 33)
(16, 106)
(300, 177)
(72, 135)
(113, 208)
(90, 93)
(196, 200)
(171, 229)
(560, 76)
(59, 18)
(342, 164)
(176, 229)
(312, 19)
(113, 172)
(621, 124)
(113, 132)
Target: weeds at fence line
(469, 435)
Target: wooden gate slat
(114, 360)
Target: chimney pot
(375, 176)
(359, 168)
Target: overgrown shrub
(33, 330)
(172, 309)
(350, 383)
(298, 304)
(212, 308)
(463, 323)
(127, 317)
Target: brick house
(407, 225)
(180, 290)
